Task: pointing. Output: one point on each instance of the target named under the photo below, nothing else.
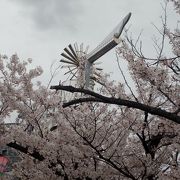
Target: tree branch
(121, 102)
(35, 154)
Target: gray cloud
(48, 14)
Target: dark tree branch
(121, 102)
(143, 141)
(81, 100)
(35, 154)
(151, 145)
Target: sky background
(40, 29)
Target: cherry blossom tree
(118, 131)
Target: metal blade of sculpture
(74, 57)
(80, 63)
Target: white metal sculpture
(75, 60)
(78, 57)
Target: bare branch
(125, 78)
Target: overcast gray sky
(40, 29)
